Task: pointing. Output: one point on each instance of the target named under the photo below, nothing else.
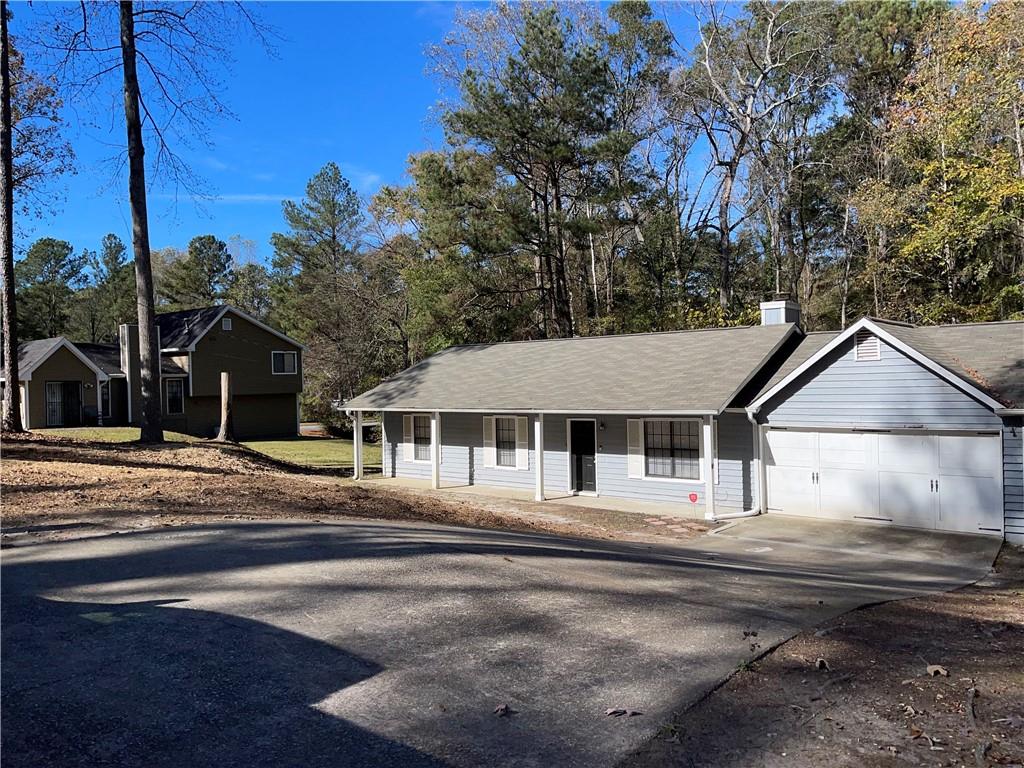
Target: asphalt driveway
(370, 643)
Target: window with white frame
(672, 449)
(505, 441)
(225, 323)
(421, 438)
(175, 396)
(284, 362)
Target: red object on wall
(693, 498)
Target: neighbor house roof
(182, 330)
(107, 357)
(32, 353)
(695, 371)
(179, 330)
(986, 356)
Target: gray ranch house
(884, 422)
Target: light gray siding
(893, 392)
(392, 463)
(1013, 479)
(737, 472)
(462, 461)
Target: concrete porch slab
(554, 498)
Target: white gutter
(1009, 411)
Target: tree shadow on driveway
(155, 684)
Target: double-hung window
(284, 362)
(505, 441)
(672, 449)
(421, 438)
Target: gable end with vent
(866, 347)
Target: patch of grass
(110, 434)
(311, 451)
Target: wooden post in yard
(227, 419)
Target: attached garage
(942, 481)
(895, 425)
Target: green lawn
(111, 434)
(317, 451)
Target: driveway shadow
(157, 684)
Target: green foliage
(108, 298)
(45, 284)
(199, 279)
(250, 291)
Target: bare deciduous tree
(169, 56)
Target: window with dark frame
(505, 441)
(672, 449)
(284, 362)
(421, 438)
(105, 398)
(175, 396)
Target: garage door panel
(970, 505)
(792, 449)
(969, 455)
(907, 498)
(845, 450)
(846, 493)
(907, 453)
(790, 490)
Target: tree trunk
(725, 239)
(227, 418)
(11, 418)
(149, 352)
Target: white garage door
(922, 480)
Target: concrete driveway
(357, 644)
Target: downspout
(758, 504)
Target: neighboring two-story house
(65, 383)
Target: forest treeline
(599, 176)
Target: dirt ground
(61, 488)
(874, 704)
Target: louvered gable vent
(867, 347)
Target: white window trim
(226, 324)
(494, 431)
(167, 396)
(514, 467)
(414, 460)
(700, 454)
(284, 352)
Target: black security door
(72, 404)
(584, 444)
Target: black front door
(584, 445)
(72, 404)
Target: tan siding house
(68, 384)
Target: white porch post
(708, 441)
(538, 456)
(357, 445)
(435, 450)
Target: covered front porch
(685, 465)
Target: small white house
(884, 422)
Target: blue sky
(348, 84)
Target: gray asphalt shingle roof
(106, 357)
(181, 329)
(32, 352)
(674, 372)
(988, 355)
